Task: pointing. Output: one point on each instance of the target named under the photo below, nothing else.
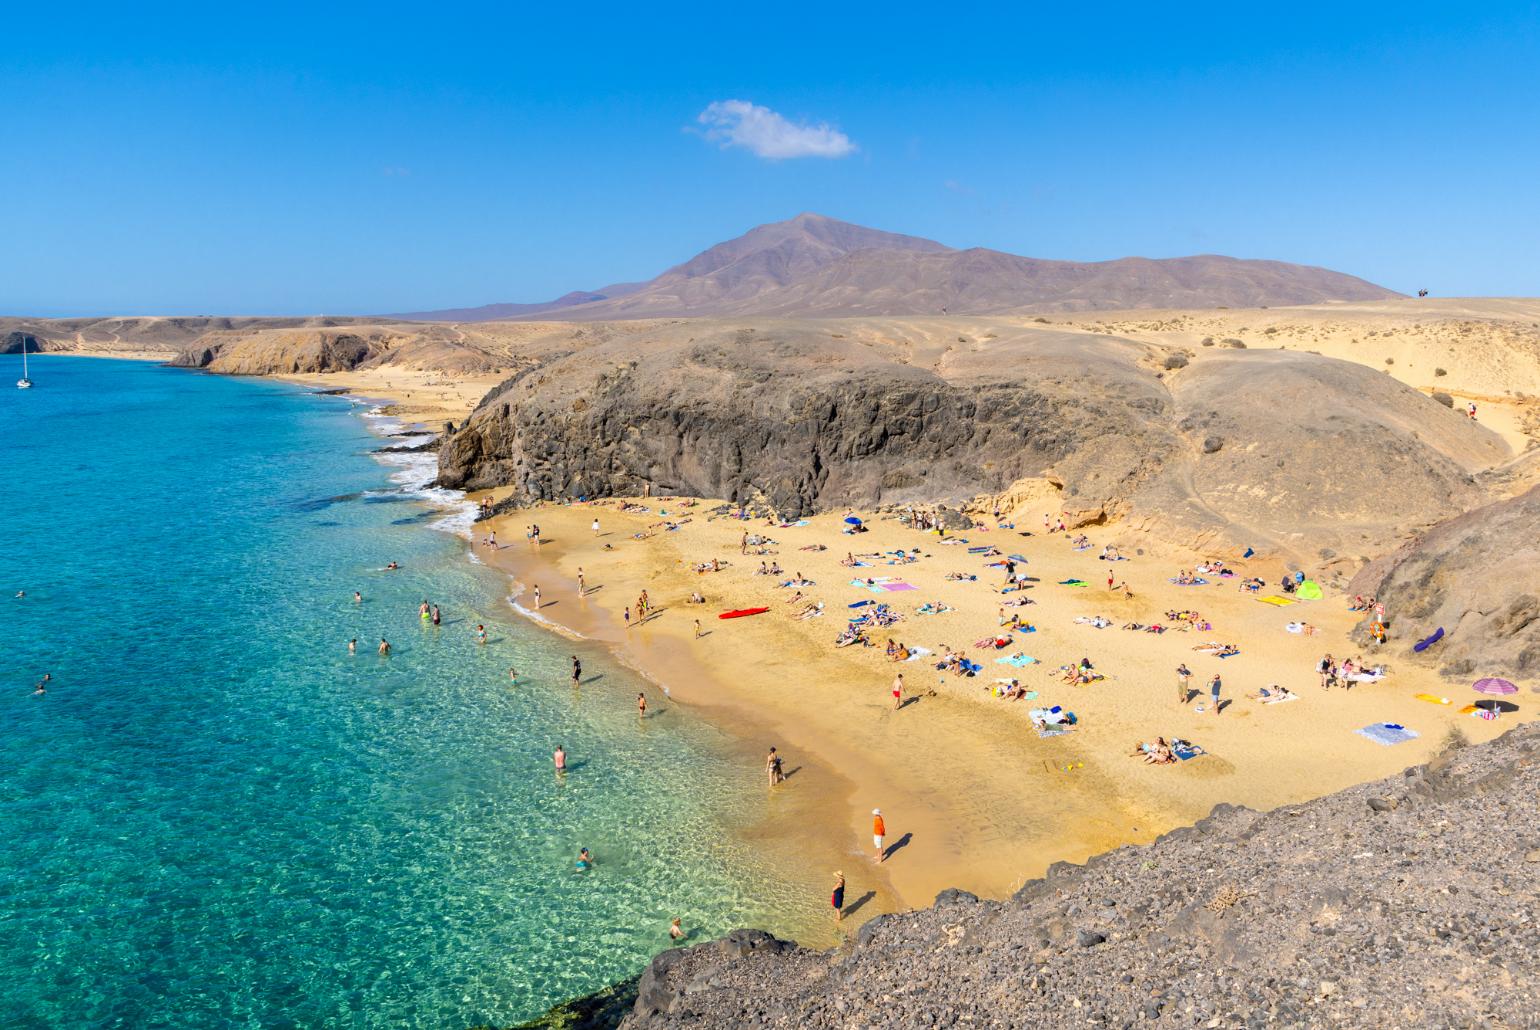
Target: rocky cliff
(1477, 576)
(1410, 902)
(1303, 453)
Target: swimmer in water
(675, 931)
(559, 758)
(437, 618)
(641, 705)
(392, 567)
(357, 597)
(21, 593)
(384, 647)
(513, 676)
(353, 646)
(585, 860)
(481, 634)
(42, 685)
(425, 612)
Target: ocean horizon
(218, 816)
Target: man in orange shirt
(879, 832)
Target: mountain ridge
(816, 265)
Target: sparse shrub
(1176, 361)
(1044, 321)
(1454, 739)
(1234, 344)
(1443, 398)
(1208, 341)
(1439, 372)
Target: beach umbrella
(1492, 685)
(1492, 705)
(851, 520)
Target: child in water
(585, 860)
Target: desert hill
(815, 266)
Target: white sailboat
(23, 383)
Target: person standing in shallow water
(837, 897)
(577, 671)
(384, 647)
(879, 833)
(437, 618)
(641, 705)
(559, 758)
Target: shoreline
(777, 836)
(1003, 804)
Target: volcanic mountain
(818, 266)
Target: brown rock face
(1286, 450)
(1477, 576)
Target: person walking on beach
(1183, 679)
(596, 527)
(879, 834)
(492, 540)
(641, 705)
(697, 629)
(536, 530)
(1324, 667)
(582, 587)
(773, 768)
(898, 692)
(837, 897)
(1213, 690)
(628, 616)
(559, 758)
(384, 647)
(577, 671)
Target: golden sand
(977, 798)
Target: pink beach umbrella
(1492, 685)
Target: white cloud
(738, 123)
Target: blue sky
(195, 159)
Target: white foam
(415, 472)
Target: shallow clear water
(218, 817)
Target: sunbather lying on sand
(1093, 620)
(1156, 753)
(1272, 695)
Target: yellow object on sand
(1433, 698)
(1274, 599)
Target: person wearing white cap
(879, 832)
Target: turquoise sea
(217, 817)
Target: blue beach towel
(1388, 733)
(1019, 661)
(1186, 749)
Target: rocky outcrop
(1478, 577)
(14, 341)
(1408, 902)
(1287, 450)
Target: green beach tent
(1309, 590)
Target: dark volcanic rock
(13, 341)
(1330, 913)
(1261, 447)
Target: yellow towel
(1433, 698)
(1274, 599)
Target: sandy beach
(972, 796)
